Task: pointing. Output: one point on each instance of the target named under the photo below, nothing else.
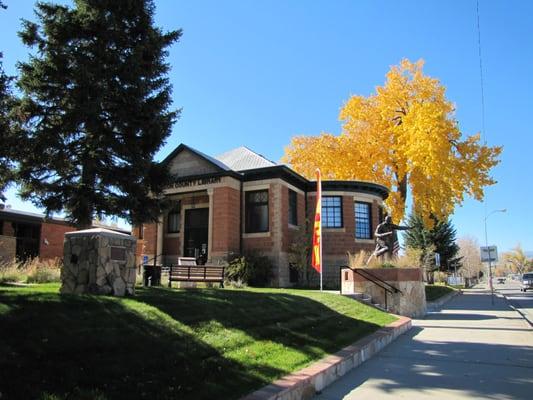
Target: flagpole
(316, 256)
(319, 182)
(321, 262)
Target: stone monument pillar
(99, 261)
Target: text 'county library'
(240, 202)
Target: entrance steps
(365, 299)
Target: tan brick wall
(262, 242)
(284, 217)
(172, 246)
(8, 228)
(226, 217)
(8, 248)
(225, 229)
(54, 234)
(269, 243)
(195, 200)
(150, 238)
(138, 232)
(337, 242)
(375, 216)
(289, 231)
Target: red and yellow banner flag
(316, 259)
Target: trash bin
(152, 275)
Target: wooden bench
(188, 271)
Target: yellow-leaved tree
(403, 136)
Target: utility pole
(488, 248)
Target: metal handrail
(369, 279)
(375, 279)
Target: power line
(483, 132)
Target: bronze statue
(387, 239)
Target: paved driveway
(470, 349)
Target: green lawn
(167, 343)
(434, 292)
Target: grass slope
(186, 344)
(434, 292)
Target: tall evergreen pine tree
(96, 109)
(6, 128)
(441, 238)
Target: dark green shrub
(252, 269)
(238, 270)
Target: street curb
(518, 310)
(305, 383)
(432, 306)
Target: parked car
(527, 281)
(500, 280)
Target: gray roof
(242, 158)
(214, 160)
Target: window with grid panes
(293, 207)
(363, 220)
(256, 211)
(332, 211)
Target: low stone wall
(99, 261)
(307, 382)
(8, 248)
(435, 305)
(411, 302)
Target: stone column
(276, 231)
(210, 228)
(159, 244)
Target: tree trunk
(402, 188)
(84, 212)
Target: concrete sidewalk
(470, 349)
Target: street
(522, 301)
(468, 350)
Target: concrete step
(366, 299)
(359, 296)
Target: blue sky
(256, 73)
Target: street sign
(437, 259)
(489, 253)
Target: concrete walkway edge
(305, 383)
(515, 307)
(437, 304)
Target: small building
(240, 201)
(26, 235)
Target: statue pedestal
(411, 302)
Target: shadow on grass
(149, 347)
(295, 321)
(79, 347)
